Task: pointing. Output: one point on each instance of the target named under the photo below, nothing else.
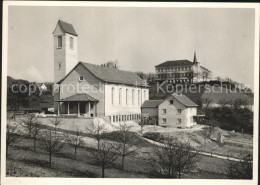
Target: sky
(138, 38)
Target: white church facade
(89, 90)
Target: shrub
(155, 136)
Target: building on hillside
(90, 90)
(150, 108)
(182, 71)
(176, 111)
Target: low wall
(68, 123)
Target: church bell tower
(65, 49)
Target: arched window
(120, 96)
(112, 95)
(71, 42)
(59, 41)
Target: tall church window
(59, 42)
(71, 42)
(133, 96)
(120, 95)
(112, 94)
(138, 97)
(126, 96)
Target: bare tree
(206, 103)
(105, 155)
(35, 134)
(96, 128)
(13, 135)
(127, 142)
(242, 169)
(238, 103)
(56, 122)
(74, 140)
(28, 122)
(223, 103)
(172, 160)
(51, 142)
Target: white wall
(129, 107)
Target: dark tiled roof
(79, 97)
(175, 63)
(113, 75)
(184, 100)
(151, 103)
(67, 28)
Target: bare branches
(74, 140)
(13, 135)
(172, 160)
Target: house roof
(111, 75)
(175, 63)
(79, 97)
(67, 27)
(151, 103)
(184, 100)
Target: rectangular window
(59, 66)
(178, 121)
(114, 119)
(71, 42)
(144, 95)
(91, 106)
(59, 42)
(164, 121)
(178, 111)
(120, 95)
(163, 111)
(171, 101)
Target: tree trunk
(34, 145)
(103, 171)
(50, 159)
(179, 174)
(6, 151)
(123, 160)
(75, 151)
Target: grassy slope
(22, 161)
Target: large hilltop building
(182, 71)
(88, 90)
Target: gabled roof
(67, 28)
(151, 103)
(79, 97)
(175, 63)
(110, 75)
(184, 100)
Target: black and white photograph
(129, 92)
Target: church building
(90, 90)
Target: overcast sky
(138, 38)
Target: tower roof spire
(195, 58)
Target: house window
(171, 101)
(126, 96)
(114, 119)
(91, 106)
(59, 42)
(112, 95)
(120, 95)
(71, 42)
(81, 78)
(164, 121)
(91, 115)
(163, 111)
(59, 66)
(178, 121)
(179, 111)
